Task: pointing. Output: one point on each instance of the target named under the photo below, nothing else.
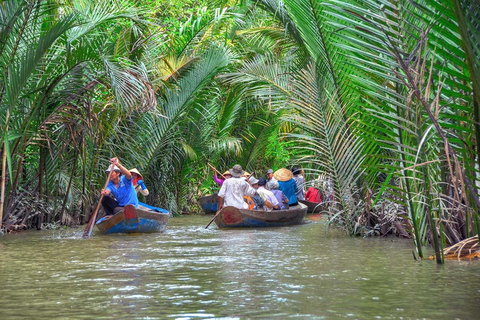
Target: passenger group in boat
(278, 191)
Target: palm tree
(56, 66)
(388, 60)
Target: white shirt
(271, 181)
(267, 195)
(233, 190)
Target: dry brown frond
(468, 249)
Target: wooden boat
(134, 220)
(209, 203)
(314, 207)
(231, 217)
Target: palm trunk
(2, 181)
(41, 166)
(4, 170)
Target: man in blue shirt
(121, 187)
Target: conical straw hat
(283, 174)
(135, 170)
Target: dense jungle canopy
(381, 97)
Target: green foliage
(342, 88)
(277, 153)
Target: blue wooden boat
(134, 220)
(209, 203)
(231, 217)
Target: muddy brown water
(299, 272)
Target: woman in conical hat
(287, 185)
(283, 174)
(138, 182)
(220, 181)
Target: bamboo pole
(216, 171)
(93, 217)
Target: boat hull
(134, 220)
(231, 217)
(314, 207)
(209, 203)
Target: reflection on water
(189, 272)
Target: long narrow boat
(209, 203)
(134, 220)
(313, 207)
(231, 217)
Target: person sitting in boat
(281, 197)
(121, 187)
(270, 178)
(234, 189)
(271, 202)
(287, 185)
(138, 182)
(218, 180)
(313, 195)
(300, 181)
(259, 203)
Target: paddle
(93, 217)
(213, 168)
(222, 208)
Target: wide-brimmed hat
(115, 168)
(226, 172)
(269, 171)
(237, 171)
(253, 180)
(283, 174)
(135, 170)
(246, 174)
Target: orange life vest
(250, 202)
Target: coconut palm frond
(266, 77)
(163, 130)
(93, 14)
(278, 10)
(333, 145)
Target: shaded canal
(304, 272)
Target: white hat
(253, 180)
(114, 169)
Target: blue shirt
(125, 194)
(290, 189)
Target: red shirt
(312, 195)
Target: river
(189, 272)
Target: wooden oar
(93, 217)
(222, 208)
(213, 168)
(213, 219)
